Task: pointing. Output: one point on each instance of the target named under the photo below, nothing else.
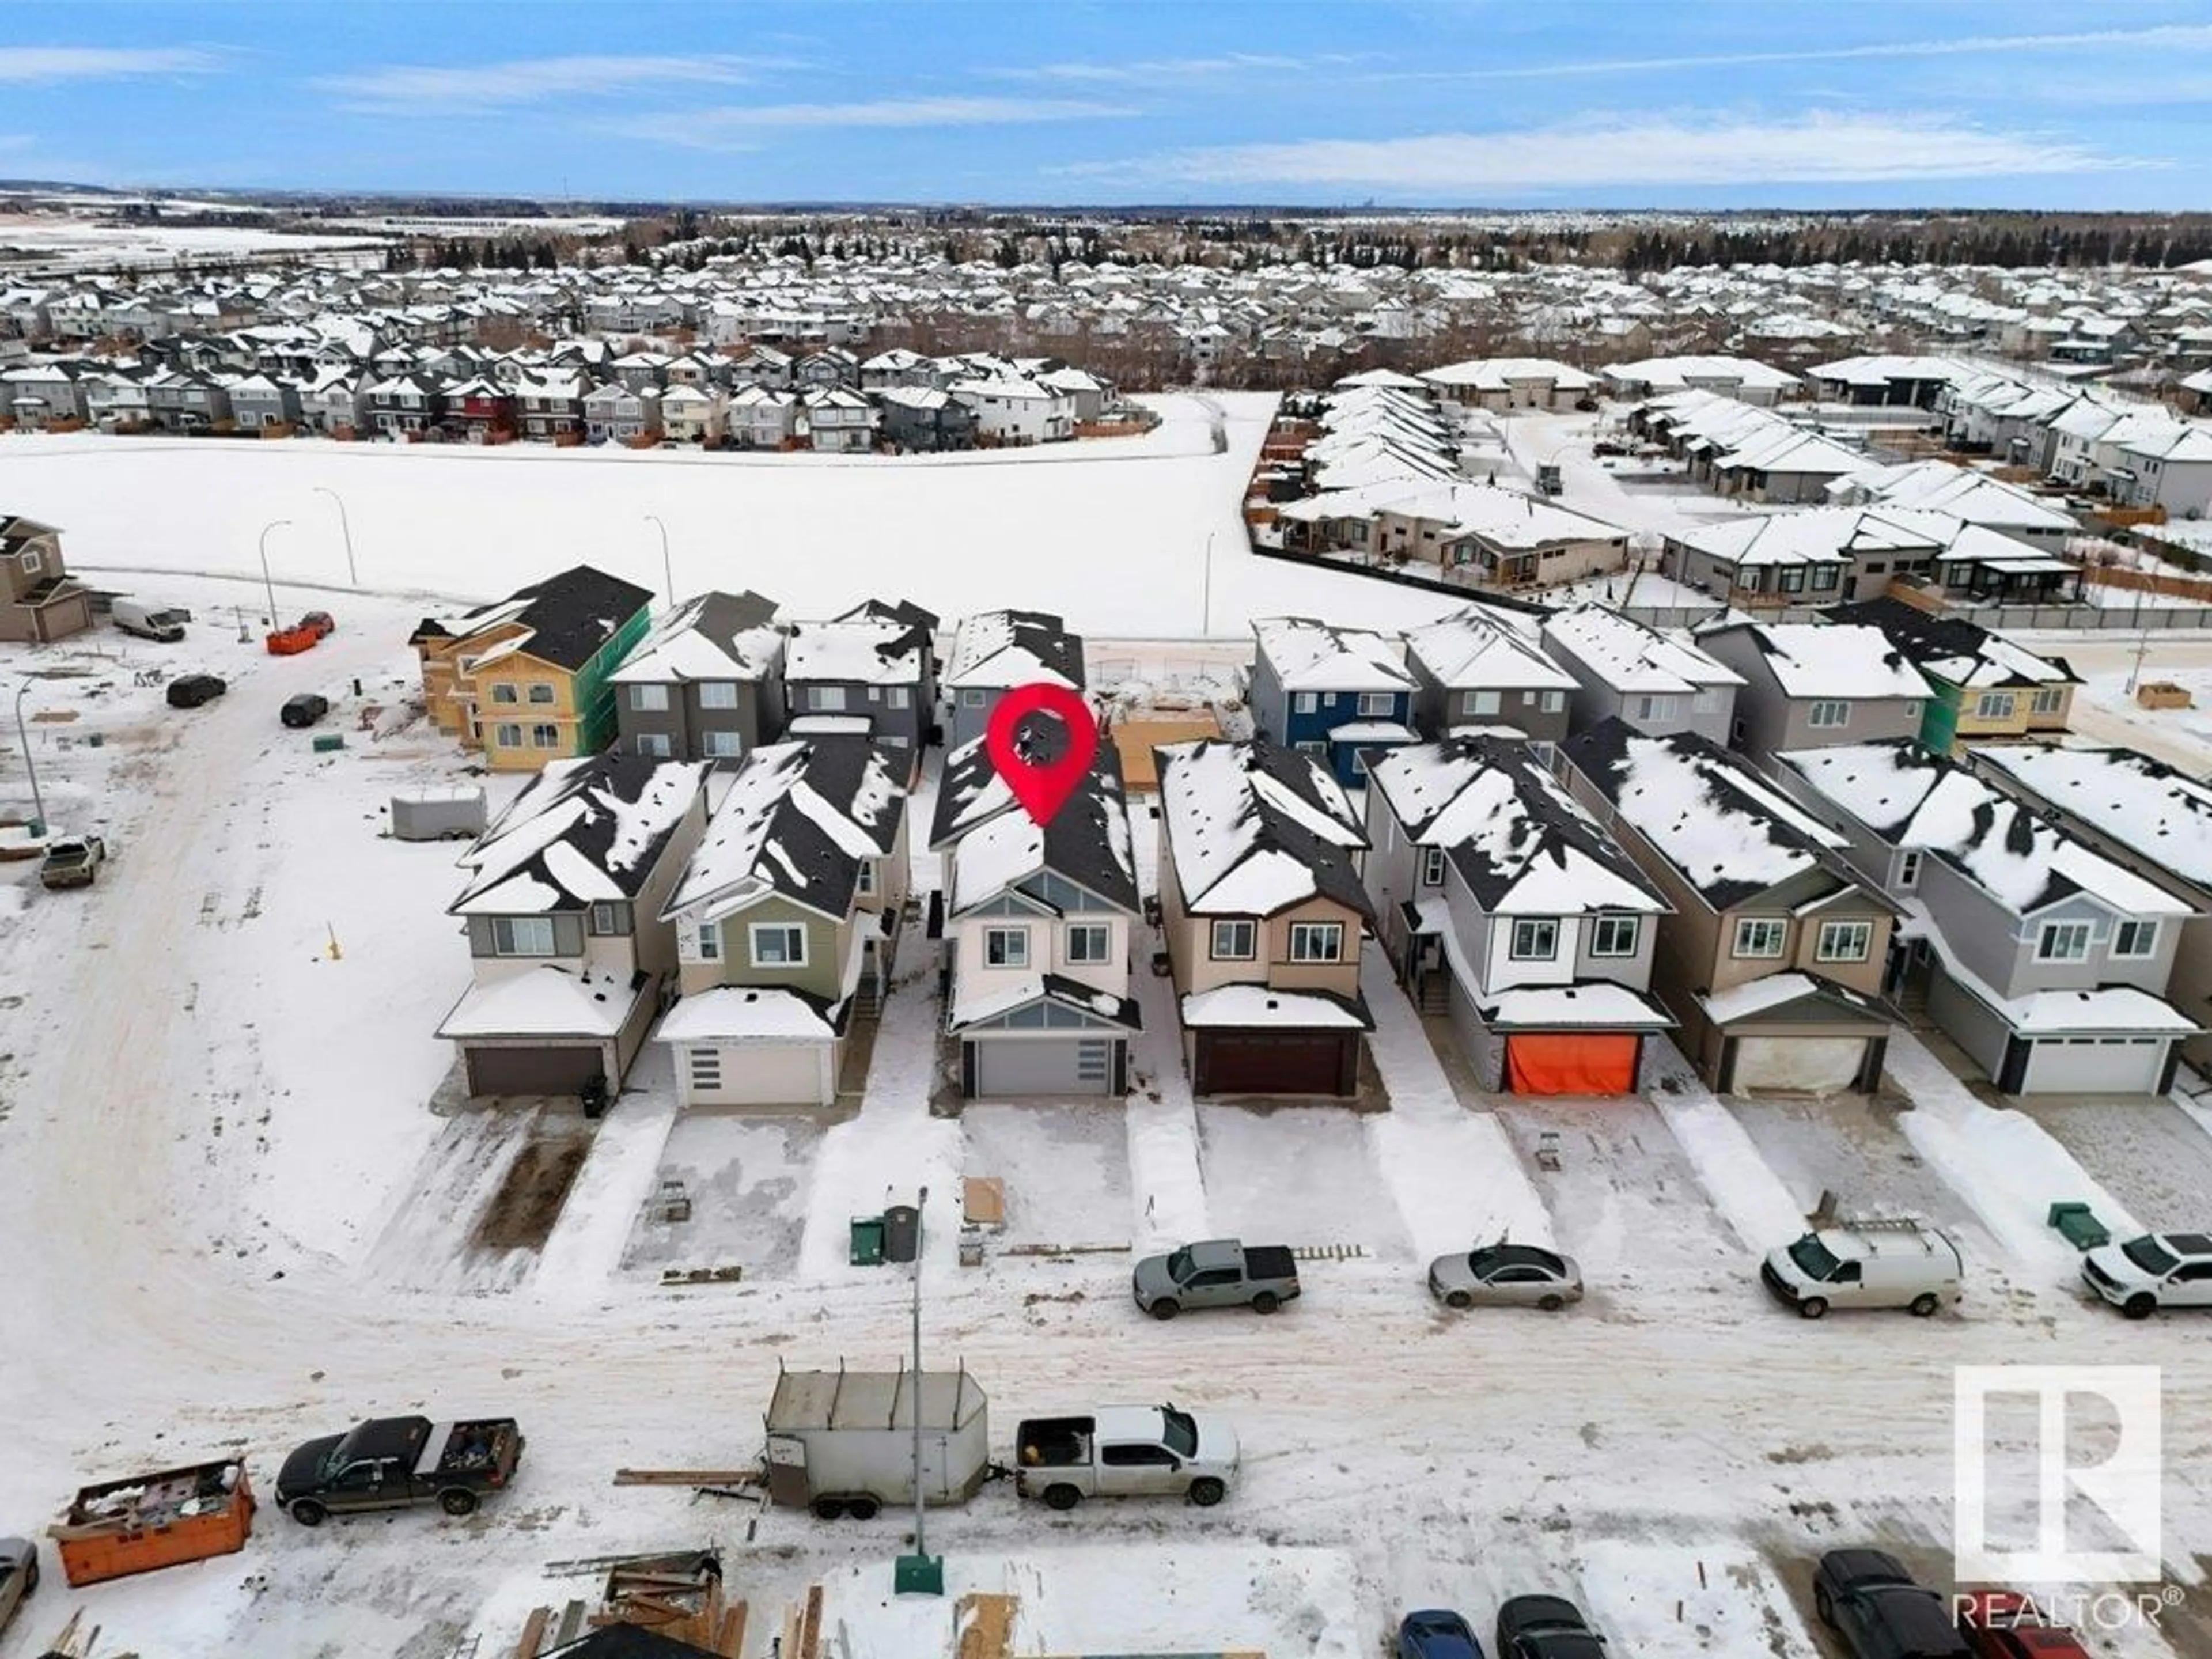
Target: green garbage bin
(867, 1240)
(2078, 1226)
(328, 742)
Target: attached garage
(1046, 1067)
(1571, 1062)
(1794, 1033)
(1049, 1038)
(562, 1069)
(548, 1031)
(745, 1046)
(1278, 1063)
(2093, 1066)
(1798, 1065)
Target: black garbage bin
(901, 1233)
(594, 1096)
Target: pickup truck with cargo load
(841, 1442)
(397, 1462)
(150, 622)
(1121, 1452)
(1218, 1273)
(72, 861)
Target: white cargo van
(1889, 1263)
(150, 621)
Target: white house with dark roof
(2043, 959)
(562, 909)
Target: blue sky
(1538, 103)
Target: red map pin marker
(1043, 785)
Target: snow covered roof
(1940, 487)
(797, 821)
(1731, 834)
(714, 636)
(1662, 374)
(1261, 1004)
(1952, 649)
(1830, 659)
(545, 1000)
(872, 651)
(1253, 828)
(1912, 799)
(1630, 656)
(741, 1013)
(1500, 373)
(996, 649)
(972, 1005)
(1755, 997)
(569, 616)
(2138, 802)
(996, 846)
(581, 831)
(1482, 647)
(1829, 535)
(1594, 1004)
(1313, 656)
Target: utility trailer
(144, 1522)
(438, 814)
(841, 1442)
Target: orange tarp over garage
(1560, 1065)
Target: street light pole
(667, 572)
(274, 523)
(921, 1545)
(353, 577)
(1206, 593)
(30, 768)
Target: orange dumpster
(149, 1521)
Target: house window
(1317, 941)
(971, 698)
(710, 941)
(1613, 936)
(544, 737)
(2135, 938)
(865, 884)
(1312, 748)
(1554, 701)
(648, 698)
(1760, 936)
(508, 736)
(1825, 577)
(1908, 869)
(1652, 708)
(2064, 941)
(1993, 706)
(1378, 705)
(722, 745)
(1303, 703)
(706, 1068)
(779, 944)
(1480, 702)
(30, 563)
(1844, 941)
(522, 936)
(609, 918)
(2046, 700)
(1433, 866)
(1791, 579)
(826, 699)
(1535, 940)
(1829, 713)
(897, 697)
(1234, 941)
(654, 745)
(541, 693)
(504, 692)
(1006, 947)
(1088, 942)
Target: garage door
(1285, 1063)
(1018, 1067)
(2095, 1066)
(532, 1070)
(1799, 1065)
(1550, 1063)
(766, 1074)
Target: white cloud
(529, 80)
(1811, 149)
(20, 65)
(714, 129)
(1170, 69)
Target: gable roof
(1951, 648)
(2140, 802)
(1630, 656)
(1001, 648)
(1832, 659)
(712, 636)
(567, 618)
(1313, 656)
(580, 831)
(1253, 828)
(867, 650)
(996, 846)
(1482, 647)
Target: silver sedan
(1506, 1275)
(19, 1575)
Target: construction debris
(677, 1596)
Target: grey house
(2045, 961)
(993, 651)
(923, 418)
(1652, 682)
(1483, 669)
(1809, 684)
(870, 673)
(706, 683)
(256, 401)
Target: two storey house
(1335, 694)
(1980, 684)
(706, 683)
(1653, 683)
(1483, 670)
(1808, 683)
(996, 651)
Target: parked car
(1546, 1627)
(2000, 1624)
(2158, 1270)
(321, 623)
(19, 1576)
(1870, 1600)
(1506, 1275)
(73, 861)
(1220, 1272)
(1120, 1451)
(396, 1463)
(1892, 1263)
(191, 691)
(1436, 1634)
(303, 710)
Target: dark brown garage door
(532, 1070)
(1275, 1063)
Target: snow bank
(1760, 1210)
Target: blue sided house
(1332, 693)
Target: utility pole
(353, 577)
(2142, 649)
(1206, 591)
(274, 523)
(918, 1573)
(667, 571)
(30, 767)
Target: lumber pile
(677, 1596)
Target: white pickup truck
(1118, 1451)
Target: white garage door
(2095, 1065)
(750, 1074)
(1798, 1065)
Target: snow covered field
(235, 1219)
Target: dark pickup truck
(397, 1462)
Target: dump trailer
(148, 1521)
(841, 1441)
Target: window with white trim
(1760, 936)
(1377, 705)
(649, 699)
(541, 692)
(1908, 868)
(2064, 941)
(1828, 711)
(544, 737)
(710, 941)
(897, 697)
(2135, 940)
(721, 745)
(1535, 940)
(1006, 947)
(971, 698)
(826, 699)
(506, 735)
(2046, 700)
(1613, 936)
(1234, 941)
(1088, 942)
(1433, 866)
(1651, 708)
(1303, 703)
(504, 692)
(1993, 706)
(1844, 941)
(1479, 702)
(778, 944)
(1554, 701)
(718, 694)
(1317, 941)
(522, 936)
